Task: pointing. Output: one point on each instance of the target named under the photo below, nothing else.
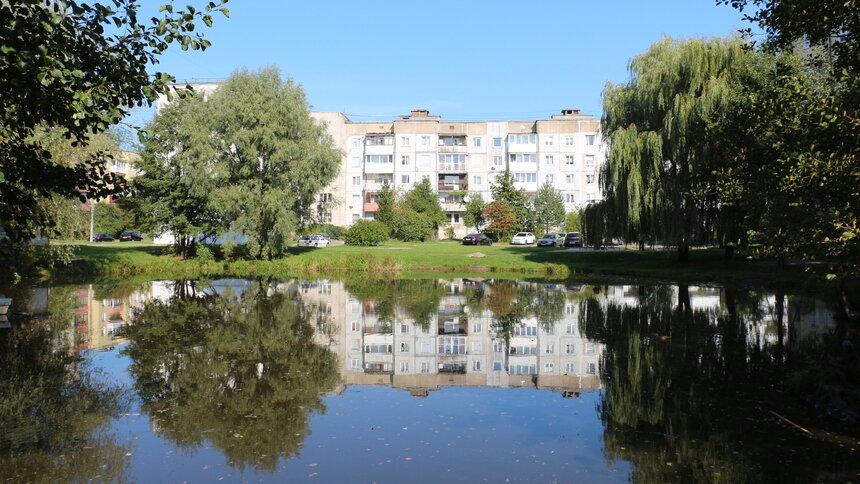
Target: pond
(464, 380)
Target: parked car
(322, 235)
(548, 240)
(314, 240)
(523, 238)
(573, 239)
(477, 239)
(102, 238)
(130, 236)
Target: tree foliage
(503, 189)
(548, 207)
(409, 225)
(77, 67)
(474, 216)
(386, 201)
(366, 232)
(423, 199)
(502, 219)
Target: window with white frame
(356, 181)
(453, 218)
(404, 178)
(570, 198)
(522, 158)
(569, 179)
(590, 178)
(549, 178)
(476, 365)
(355, 345)
(497, 365)
(404, 347)
(549, 367)
(549, 159)
(570, 329)
(376, 140)
(568, 140)
(355, 143)
(405, 140)
(404, 367)
(591, 368)
(356, 199)
(404, 160)
(522, 139)
(497, 161)
(476, 346)
(568, 367)
(548, 140)
(377, 348)
(425, 347)
(452, 162)
(569, 160)
(589, 348)
(476, 142)
(497, 142)
(476, 327)
(570, 349)
(377, 159)
(404, 329)
(589, 139)
(589, 159)
(498, 346)
(355, 364)
(452, 345)
(476, 179)
(355, 161)
(549, 348)
(425, 140)
(525, 177)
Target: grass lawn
(401, 258)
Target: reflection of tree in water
(415, 299)
(54, 409)
(512, 302)
(688, 396)
(241, 373)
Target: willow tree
(657, 125)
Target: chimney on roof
(416, 113)
(569, 112)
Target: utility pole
(92, 219)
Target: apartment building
(460, 159)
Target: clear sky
(463, 60)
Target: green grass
(400, 258)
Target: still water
(429, 380)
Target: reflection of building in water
(99, 318)
(458, 346)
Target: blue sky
(463, 60)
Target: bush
(204, 253)
(111, 219)
(366, 232)
(409, 225)
(333, 231)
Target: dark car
(548, 240)
(477, 239)
(573, 239)
(102, 238)
(130, 236)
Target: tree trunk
(683, 251)
(729, 254)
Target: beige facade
(461, 159)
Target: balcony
(453, 149)
(457, 167)
(371, 207)
(453, 186)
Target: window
(476, 327)
(377, 159)
(589, 348)
(405, 140)
(549, 348)
(476, 180)
(523, 350)
(453, 218)
(356, 180)
(497, 141)
(568, 367)
(589, 159)
(404, 347)
(355, 161)
(548, 141)
(476, 346)
(355, 143)
(452, 162)
(425, 367)
(522, 139)
(452, 140)
(452, 345)
(568, 160)
(356, 199)
(356, 217)
(498, 346)
(568, 140)
(497, 161)
(550, 178)
(523, 369)
(425, 347)
(355, 364)
(549, 159)
(522, 158)
(355, 345)
(590, 197)
(476, 142)
(589, 139)
(570, 329)
(404, 366)
(569, 179)
(525, 177)
(425, 140)
(549, 367)
(404, 178)
(525, 330)
(375, 140)
(404, 328)
(570, 349)
(325, 197)
(497, 365)
(404, 160)
(590, 178)
(377, 348)
(476, 365)
(570, 198)
(425, 162)
(591, 368)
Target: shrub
(333, 231)
(409, 225)
(449, 232)
(366, 232)
(204, 253)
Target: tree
(78, 67)
(474, 215)
(503, 189)
(385, 200)
(573, 221)
(656, 125)
(548, 207)
(174, 193)
(424, 200)
(366, 232)
(501, 217)
(407, 224)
